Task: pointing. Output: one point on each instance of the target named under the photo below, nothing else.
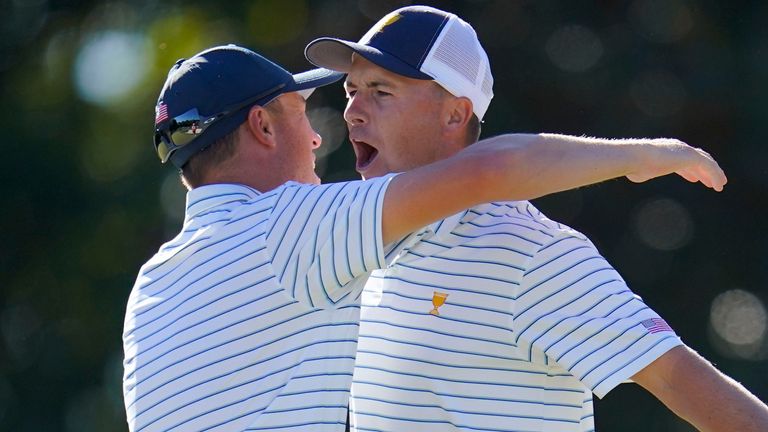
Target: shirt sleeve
(575, 307)
(323, 238)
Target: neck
(247, 172)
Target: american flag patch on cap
(161, 113)
(656, 325)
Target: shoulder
(330, 191)
(520, 218)
(511, 232)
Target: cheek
(413, 126)
(300, 133)
(396, 137)
(408, 130)
(421, 145)
(308, 131)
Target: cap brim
(312, 79)
(336, 54)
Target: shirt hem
(626, 373)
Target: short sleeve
(322, 238)
(575, 307)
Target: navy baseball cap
(418, 42)
(210, 94)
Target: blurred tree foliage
(86, 201)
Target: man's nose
(355, 112)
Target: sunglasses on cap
(174, 133)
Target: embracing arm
(700, 394)
(525, 166)
(554, 163)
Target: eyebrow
(370, 84)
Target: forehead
(290, 100)
(363, 71)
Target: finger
(689, 175)
(713, 178)
(695, 175)
(638, 178)
(720, 171)
(707, 181)
(716, 175)
(721, 178)
(710, 169)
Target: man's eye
(351, 93)
(383, 93)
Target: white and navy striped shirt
(499, 319)
(248, 319)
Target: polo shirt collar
(204, 198)
(446, 225)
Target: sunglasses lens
(163, 147)
(181, 130)
(187, 126)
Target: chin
(373, 173)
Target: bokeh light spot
(740, 319)
(330, 124)
(663, 224)
(574, 48)
(20, 326)
(110, 65)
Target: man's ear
(458, 113)
(260, 125)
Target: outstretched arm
(525, 166)
(697, 392)
(555, 163)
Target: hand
(664, 156)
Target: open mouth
(365, 154)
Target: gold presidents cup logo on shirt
(438, 299)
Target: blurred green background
(85, 201)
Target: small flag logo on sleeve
(656, 325)
(161, 113)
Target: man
(248, 319)
(496, 318)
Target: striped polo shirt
(497, 319)
(248, 319)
